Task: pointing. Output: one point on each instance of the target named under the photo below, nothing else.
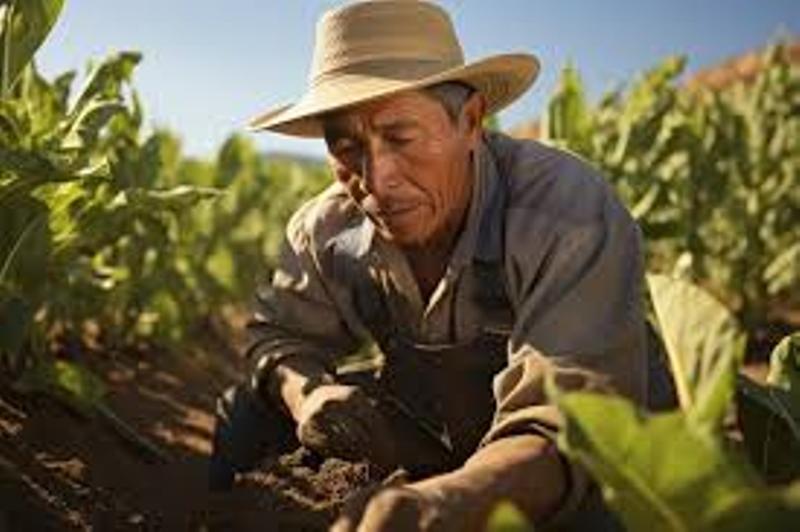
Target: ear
(472, 116)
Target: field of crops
(112, 241)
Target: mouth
(390, 210)
(399, 210)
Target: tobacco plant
(713, 176)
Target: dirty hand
(398, 508)
(342, 421)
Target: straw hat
(369, 49)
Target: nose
(379, 171)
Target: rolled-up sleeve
(578, 316)
(296, 314)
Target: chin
(413, 234)
(412, 239)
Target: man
(478, 264)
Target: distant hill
(743, 68)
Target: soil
(63, 471)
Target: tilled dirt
(61, 471)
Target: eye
(342, 146)
(346, 150)
(399, 140)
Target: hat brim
(500, 78)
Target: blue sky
(210, 65)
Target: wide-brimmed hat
(370, 49)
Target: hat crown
(379, 33)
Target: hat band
(387, 69)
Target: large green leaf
(659, 473)
(704, 344)
(25, 25)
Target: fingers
(353, 509)
(333, 431)
(393, 509)
(342, 421)
(384, 508)
(369, 433)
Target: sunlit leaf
(704, 345)
(25, 25)
(784, 367)
(82, 129)
(177, 198)
(105, 81)
(658, 473)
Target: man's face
(407, 164)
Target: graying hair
(452, 95)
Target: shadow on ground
(59, 471)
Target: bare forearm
(525, 470)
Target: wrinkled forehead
(405, 109)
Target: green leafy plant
(704, 345)
(111, 229)
(677, 470)
(24, 25)
(712, 176)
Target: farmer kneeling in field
(478, 264)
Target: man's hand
(396, 506)
(524, 469)
(339, 420)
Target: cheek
(444, 176)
